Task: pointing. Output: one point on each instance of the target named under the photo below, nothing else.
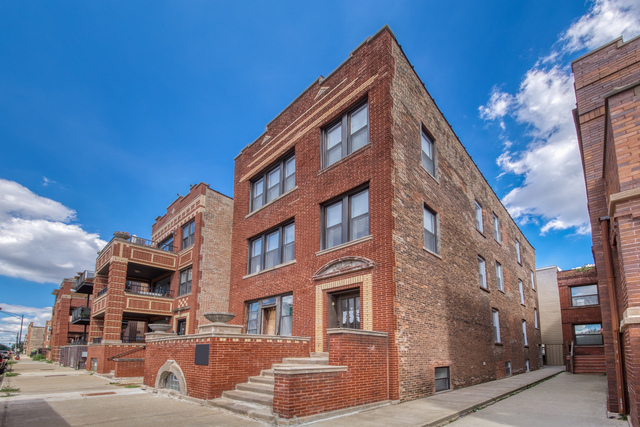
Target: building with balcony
(64, 330)
(174, 277)
(607, 86)
(365, 235)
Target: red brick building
(359, 208)
(581, 320)
(63, 330)
(607, 86)
(173, 278)
(34, 340)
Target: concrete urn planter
(159, 327)
(219, 317)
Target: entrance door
(345, 310)
(269, 321)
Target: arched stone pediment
(343, 265)
(171, 366)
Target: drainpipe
(613, 306)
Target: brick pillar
(115, 301)
(97, 324)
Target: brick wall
(104, 353)
(366, 379)
(232, 360)
(604, 79)
(129, 367)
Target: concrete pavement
(54, 396)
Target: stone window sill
(271, 202)
(266, 270)
(345, 245)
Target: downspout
(613, 306)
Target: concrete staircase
(255, 398)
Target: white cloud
(552, 193)
(37, 241)
(10, 325)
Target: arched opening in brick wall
(170, 377)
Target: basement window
(442, 379)
(171, 382)
(507, 369)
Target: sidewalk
(443, 407)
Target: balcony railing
(86, 277)
(79, 341)
(96, 340)
(131, 340)
(141, 288)
(80, 313)
(164, 245)
(102, 291)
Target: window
(428, 153)
(431, 230)
(507, 368)
(518, 252)
(166, 244)
(479, 217)
(496, 326)
(442, 379)
(584, 295)
(521, 292)
(535, 318)
(482, 273)
(185, 282)
(499, 279)
(533, 283)
(524, 332)
(181, 327)
(188, 233)
(346, 219)
(526, 365)
(496, 229)
(277, 180)
(348, 134)
(272, 248)
(270, 316)
(588, 334)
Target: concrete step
(319, 354)
(252, 410)
(249, 396)
(262, 379)
(266, 373)
(256, 388)
(305, 361)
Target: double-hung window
(524, 332)
(588, 334)
(277, 180)
(272, 248)
(442, 379)
(185, 281)
(430, 220)
(518, 252)
(584, 295)
(479, 225)
(270, 316)
(535, 318)
(520, 288)
(496, 326)
(496, 229)
(533, 283)
(346, 135)
(482, 273)
(188, 234)
(428, 153)
(499, 278)
(346, 219)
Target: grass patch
(131, 386)
(8, 390)
(38, 357)
(12, 362)
(49, 361)
(11, 374)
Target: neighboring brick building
(47, 339)
(34, 341)
(607, 85)
(582, 319)
(550, 316)
(359, 208)
(63, 331)
(175, 277)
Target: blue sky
(108, 110)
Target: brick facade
(35, 338)
(178, 275)
(430, 305)
(607, 85)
